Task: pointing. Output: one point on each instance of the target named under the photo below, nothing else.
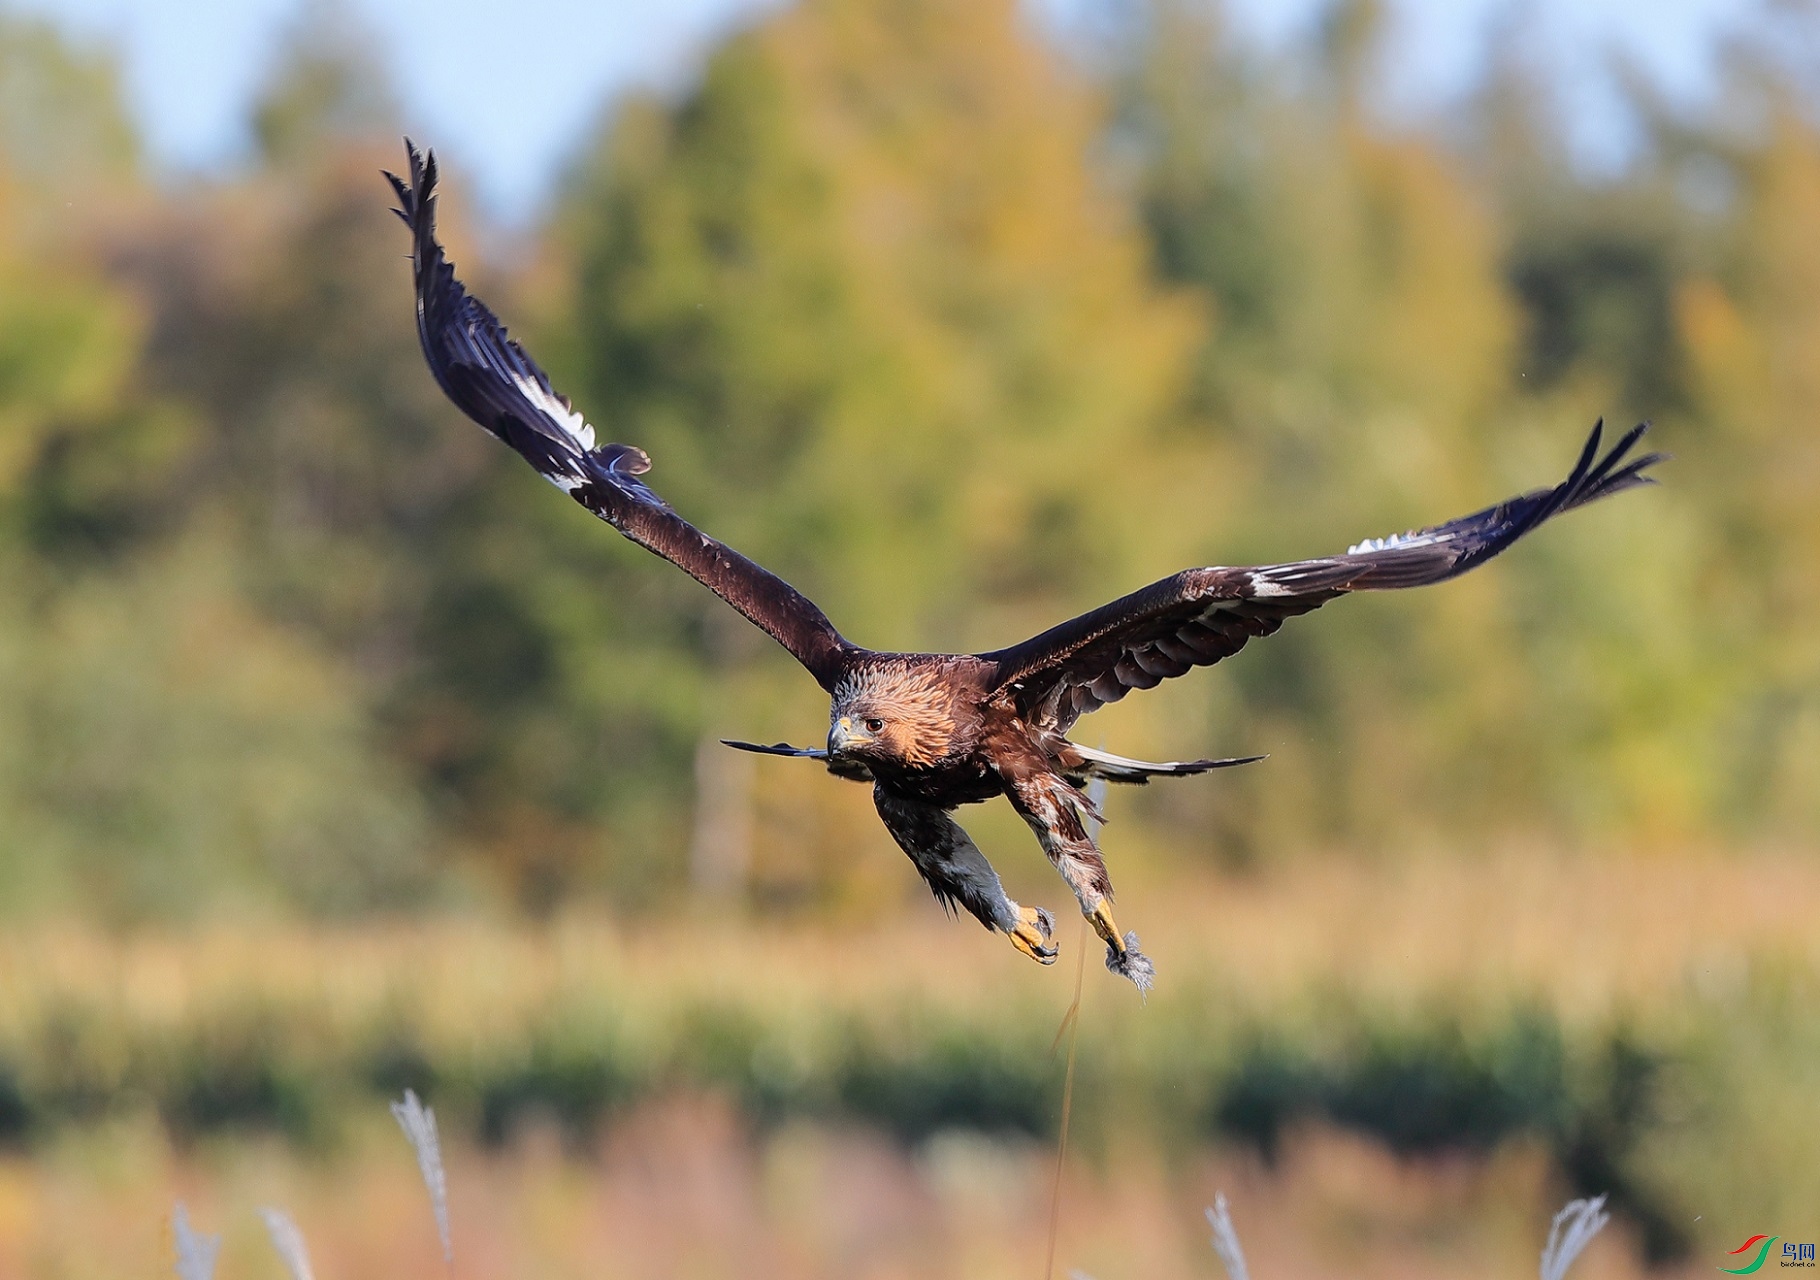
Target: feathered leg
(1057, 813)
(957, 872)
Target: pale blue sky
(506, 88)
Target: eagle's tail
(1103, 764)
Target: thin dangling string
(1070, 1027)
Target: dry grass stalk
(1226, 1240)
(195, 1252)
(419, 1125)
(1572, 1230)
(287, 1242)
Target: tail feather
(1111, 768)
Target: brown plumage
(933, 731)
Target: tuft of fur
(1132, 964)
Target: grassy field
(1393, 1071)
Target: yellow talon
(1032, 933)
(1104, 925)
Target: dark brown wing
(1200, 616)
(494, 382)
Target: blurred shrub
(290, 1033)
(175, 750)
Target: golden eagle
(933, 731)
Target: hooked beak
(840, 735)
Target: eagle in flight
(934, 731)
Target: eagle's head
(895, 714)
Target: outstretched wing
(1200, 616)
(494, 382)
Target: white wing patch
(568, 419)
(1262, 588)
(1396, 540)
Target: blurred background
(337, 754)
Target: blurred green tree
(327, 89)
(1750, 324)
(864, 299)
(62, 121)
(1374, 293)
(959, 339)
(170, 744)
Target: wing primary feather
(1201, 616)
(493, 380)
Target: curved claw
(1032, 934)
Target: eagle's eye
(874, 724)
